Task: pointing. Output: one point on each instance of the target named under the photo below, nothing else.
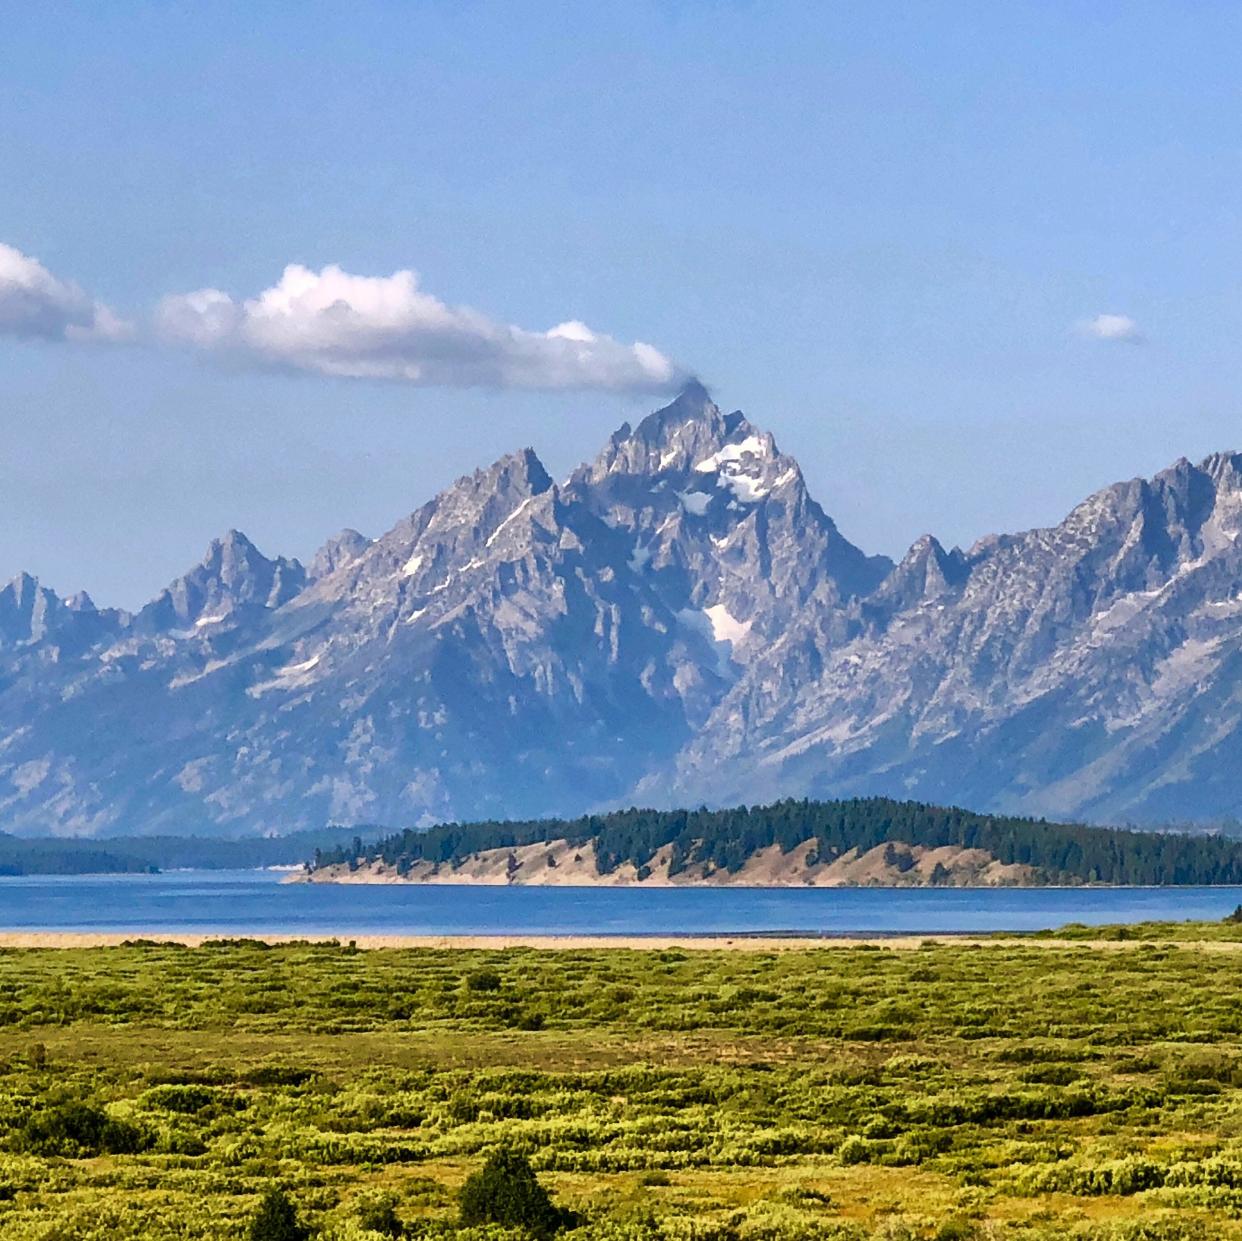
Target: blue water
(255, 902)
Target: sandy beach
(571, 943)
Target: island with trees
(874, 841)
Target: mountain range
(677, 622)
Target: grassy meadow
(1081, 1086)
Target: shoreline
(648, 886)
(295, 876)
(759, 941)
(739, 942)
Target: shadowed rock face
(678, 621)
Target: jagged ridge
(678, 621)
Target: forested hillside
(724, 840)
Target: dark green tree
(506, 1191)
(76, 1128)
(484, 980)
(276, 1220)
(378, 1214)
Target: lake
(256, 902)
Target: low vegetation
(145, 854)
(1061, 1087)
(726, 839)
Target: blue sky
(879, 229)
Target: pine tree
(506, 1191)
(276, 1220)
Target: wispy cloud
(1118, 328)
(38, 305)
(331, 322)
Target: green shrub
(78, 1129)
(277, 1075)
(506, 1191)
(377, 1213)
(175, 1141)
(184, 1099)
(1052, 1074)
(276, 1220)
(914, 1148)
(956, 1230)
(1203, 1067)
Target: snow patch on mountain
(724, 625)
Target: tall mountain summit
(676, 622)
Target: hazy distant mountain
(677, 622)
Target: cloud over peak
(36, 304)
(332, 322)
(1112, 328)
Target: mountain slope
(678, 621)
(1090, 668)
(722, 524)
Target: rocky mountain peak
(230, 554)
(31, 613)
(691, 438)
(521, 470)
(693, 404)
(27, 610)
(472, 508)
(678, 621)
(22, 587)
(720, 521)
(450, 537)
(669, 440)
(476, 503)
(1224, 469)
(927, 574)
(80, 601)
(232, 576)
(340, 549)
(1141, 534)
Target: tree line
(150, 854)
(725, 839)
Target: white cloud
(385, 327)
(34, 303)
(205, 318)
(1112, 328)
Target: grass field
(1073, 1088)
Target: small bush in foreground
(276, 1220)
(376, 1213)
(506, 1191)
